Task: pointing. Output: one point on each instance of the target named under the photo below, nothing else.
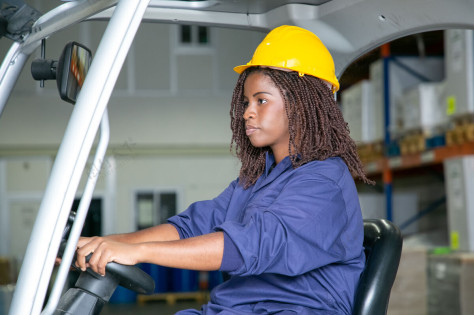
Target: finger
(103, 260)
(98, 261)
(102, 263)
(80, 262)
(92, 262)
(83, 241)
(86, 246)
(81, 255)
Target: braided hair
(316, 126)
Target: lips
(250, 130)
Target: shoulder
(332, 169)
(316, 178)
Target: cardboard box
(423, 108)
(459, 183)
(459, 60)
(405, 206)
(467, 284)
(365, 121)
(450, 283)
(403, 73)
(6, 271)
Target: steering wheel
(130, 277)
(92, 290)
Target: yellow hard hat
(297, 49)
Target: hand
(105, 250)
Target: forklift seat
(383, 248)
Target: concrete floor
(149, 308)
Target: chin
(257, 144)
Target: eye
(245, 104)
(262, 101)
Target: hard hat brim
(242, 68)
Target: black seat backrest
(383, 247)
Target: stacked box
(7, 272)
(410, 292)
(403, 73)
(423, 108)
(459, 184)
(365, 121)
(450, 284)
(459, 52)
(405, 206)
(467, 284)
(443, 284)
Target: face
(265, 116)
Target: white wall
(195, 177)
(171, 121)
(22, 182)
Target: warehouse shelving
(429, 157)
(387, 165)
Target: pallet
(462, 119)
(412, 144)
(460, 133)
(369, 152)
(171, 297)
(421, 140)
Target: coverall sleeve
(202, 216)
(292, 232)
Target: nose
(249, 112)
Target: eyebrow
(262, 93)
(255, 94)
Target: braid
(316, 126)
(252, 158)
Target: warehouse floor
(155, 308)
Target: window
(193, 57)
(194, 35)
(154, 207)
(185, 34)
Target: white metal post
(10, 70)
(72, 156)
(80, 218)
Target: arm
(199, 218)
(194, 246)
(306, 226)
(162, 232)
(198, 253)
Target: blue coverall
(292, 242)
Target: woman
(289, 230)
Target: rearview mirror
(69, 72)
(72, 69)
